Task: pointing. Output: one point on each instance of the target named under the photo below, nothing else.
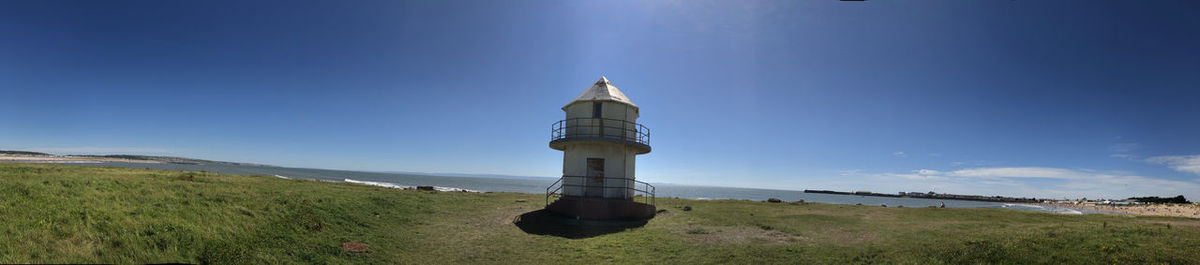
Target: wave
(1069, 211)
(1048, 209)
(453, 189)
(378, 184)
(1006, 205)
(397, 186)
(282, 177)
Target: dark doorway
(597, 109)
(594, 186)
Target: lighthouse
(600, 140)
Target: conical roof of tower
(602, 90)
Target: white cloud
(1124, 150)
(928, 172)
(1124, 147)
(849, 172)
(1019, 172)
(899, 154)
(1189, 163)
(1123, 156)
(956, 163)
(915, 176)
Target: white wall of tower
(619, 162)
(619, 159)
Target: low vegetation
(25, 153)
(163, 159)
(1176, 199)
(86, 214)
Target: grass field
(74, 214)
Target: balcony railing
(600, 128)
(639, 189)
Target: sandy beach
(1180, 210)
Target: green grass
(83, 214)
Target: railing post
(597, 128)
(647, 137)
(623, 132)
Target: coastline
(933, 196)
(67, 159)
(1174, 210)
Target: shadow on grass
(542, 222)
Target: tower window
(596, 109)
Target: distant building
(600, 139)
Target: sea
(537, 185)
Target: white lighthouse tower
(600, 139)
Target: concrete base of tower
(601, 208)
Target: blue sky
(1025, 98)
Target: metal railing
(646, 192)
(600, 128)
